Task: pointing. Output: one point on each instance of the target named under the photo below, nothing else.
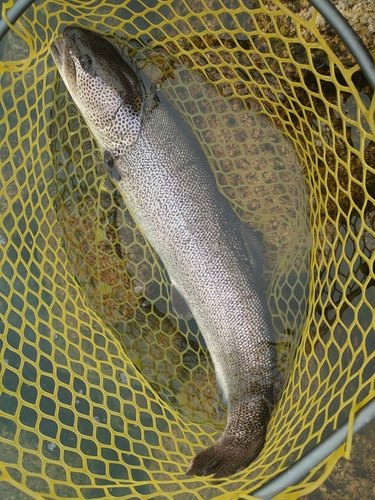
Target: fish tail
(241, 442)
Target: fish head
(106, 88)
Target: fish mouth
(57, 51)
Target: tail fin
(241, 442)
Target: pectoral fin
(254, 248)
(110, 166)
(179, 304)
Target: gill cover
(105, 87)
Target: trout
(214, 261)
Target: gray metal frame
(299, 470)
(350, 38)
(13, 14)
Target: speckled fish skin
(212, 259)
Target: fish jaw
(58, 49)
(57, 52)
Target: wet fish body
(213, 260)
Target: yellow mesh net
(104, 392)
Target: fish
(214, 261)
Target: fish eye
(86, 62)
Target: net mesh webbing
(104, 392)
